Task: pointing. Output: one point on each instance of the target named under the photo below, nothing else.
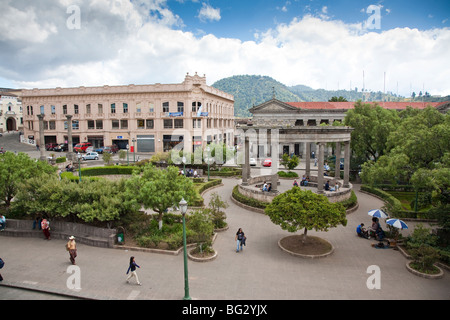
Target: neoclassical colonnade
(276, 137)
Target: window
(100, 108)
(88, 109)
(178, 123)
(115, 124)
(113, 108)
(125, 108)
(91, 124)
(138, 107)
(42, 109)
(124, 124)
(196, 106)
(65, 109)
(140, 124)
(99, 124)
(149, 123)
(196, 123)
(75, 125)
(180, 106)
(168, 124)
(45, 125)
(53, 109)
(52, 125)
(165, 107)
(151, 107)
(75, 109)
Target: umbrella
(378, 213)
(397, 223)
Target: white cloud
(140, 43)
(208, 13)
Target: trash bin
(120, 235)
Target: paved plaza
(261, 272)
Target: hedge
(248, 201)
(289, 174)
(109, 170)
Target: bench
(85, 234)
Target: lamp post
(184, 166)
(134, 150)
(128, 160)
(183, 208)
(207, 152)
(79, 166)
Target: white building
(11, 115)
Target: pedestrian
(132, 268)
(2, 263)
(240, 239)
(2, 222)
(72, 248)
(45, 225)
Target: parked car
(50, 146)
(267, 163)
(99, 150)
(62, 147)
(90, 156)
(111, 149)
(252, 161)
(81, 147)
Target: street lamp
(207, 152)
(79, 166)
(184, 165)
(128, 160)
(134, 150)
(183, 208)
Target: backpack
(2, 263)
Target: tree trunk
(160, 222)
(304, 235)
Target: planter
(202, 259)
(310, 255)
(425, 275)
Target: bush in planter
(217, 215)
(424, 258)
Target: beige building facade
(11, 117)
(146, 118)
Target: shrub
(289, 174)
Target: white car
(90, 156)
(252, 162)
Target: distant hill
(252, 90)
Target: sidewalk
(261, 272)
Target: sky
(380, 45)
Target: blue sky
(321, 44)
(242, 18)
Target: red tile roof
(350, 105)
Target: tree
(298, 209)
(215, 206)
(17, 168)
(107, 158)
(159, 189)
(372, 125)
(337, 99)
(289, 162)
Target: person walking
(45, 226)
(240, 239)
(2, 263)
(2, 222)
(132, 268)
(72, 248)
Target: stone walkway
(261, 272)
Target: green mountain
(252, 90)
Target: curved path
(261, 272)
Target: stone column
(346, 164)
(70, 154)
(320, 168)
(41, 137)
(275, 142)
(337, 163)
(308, 159)
(246, 167)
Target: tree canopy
(298, 209)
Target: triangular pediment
(273, 105)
